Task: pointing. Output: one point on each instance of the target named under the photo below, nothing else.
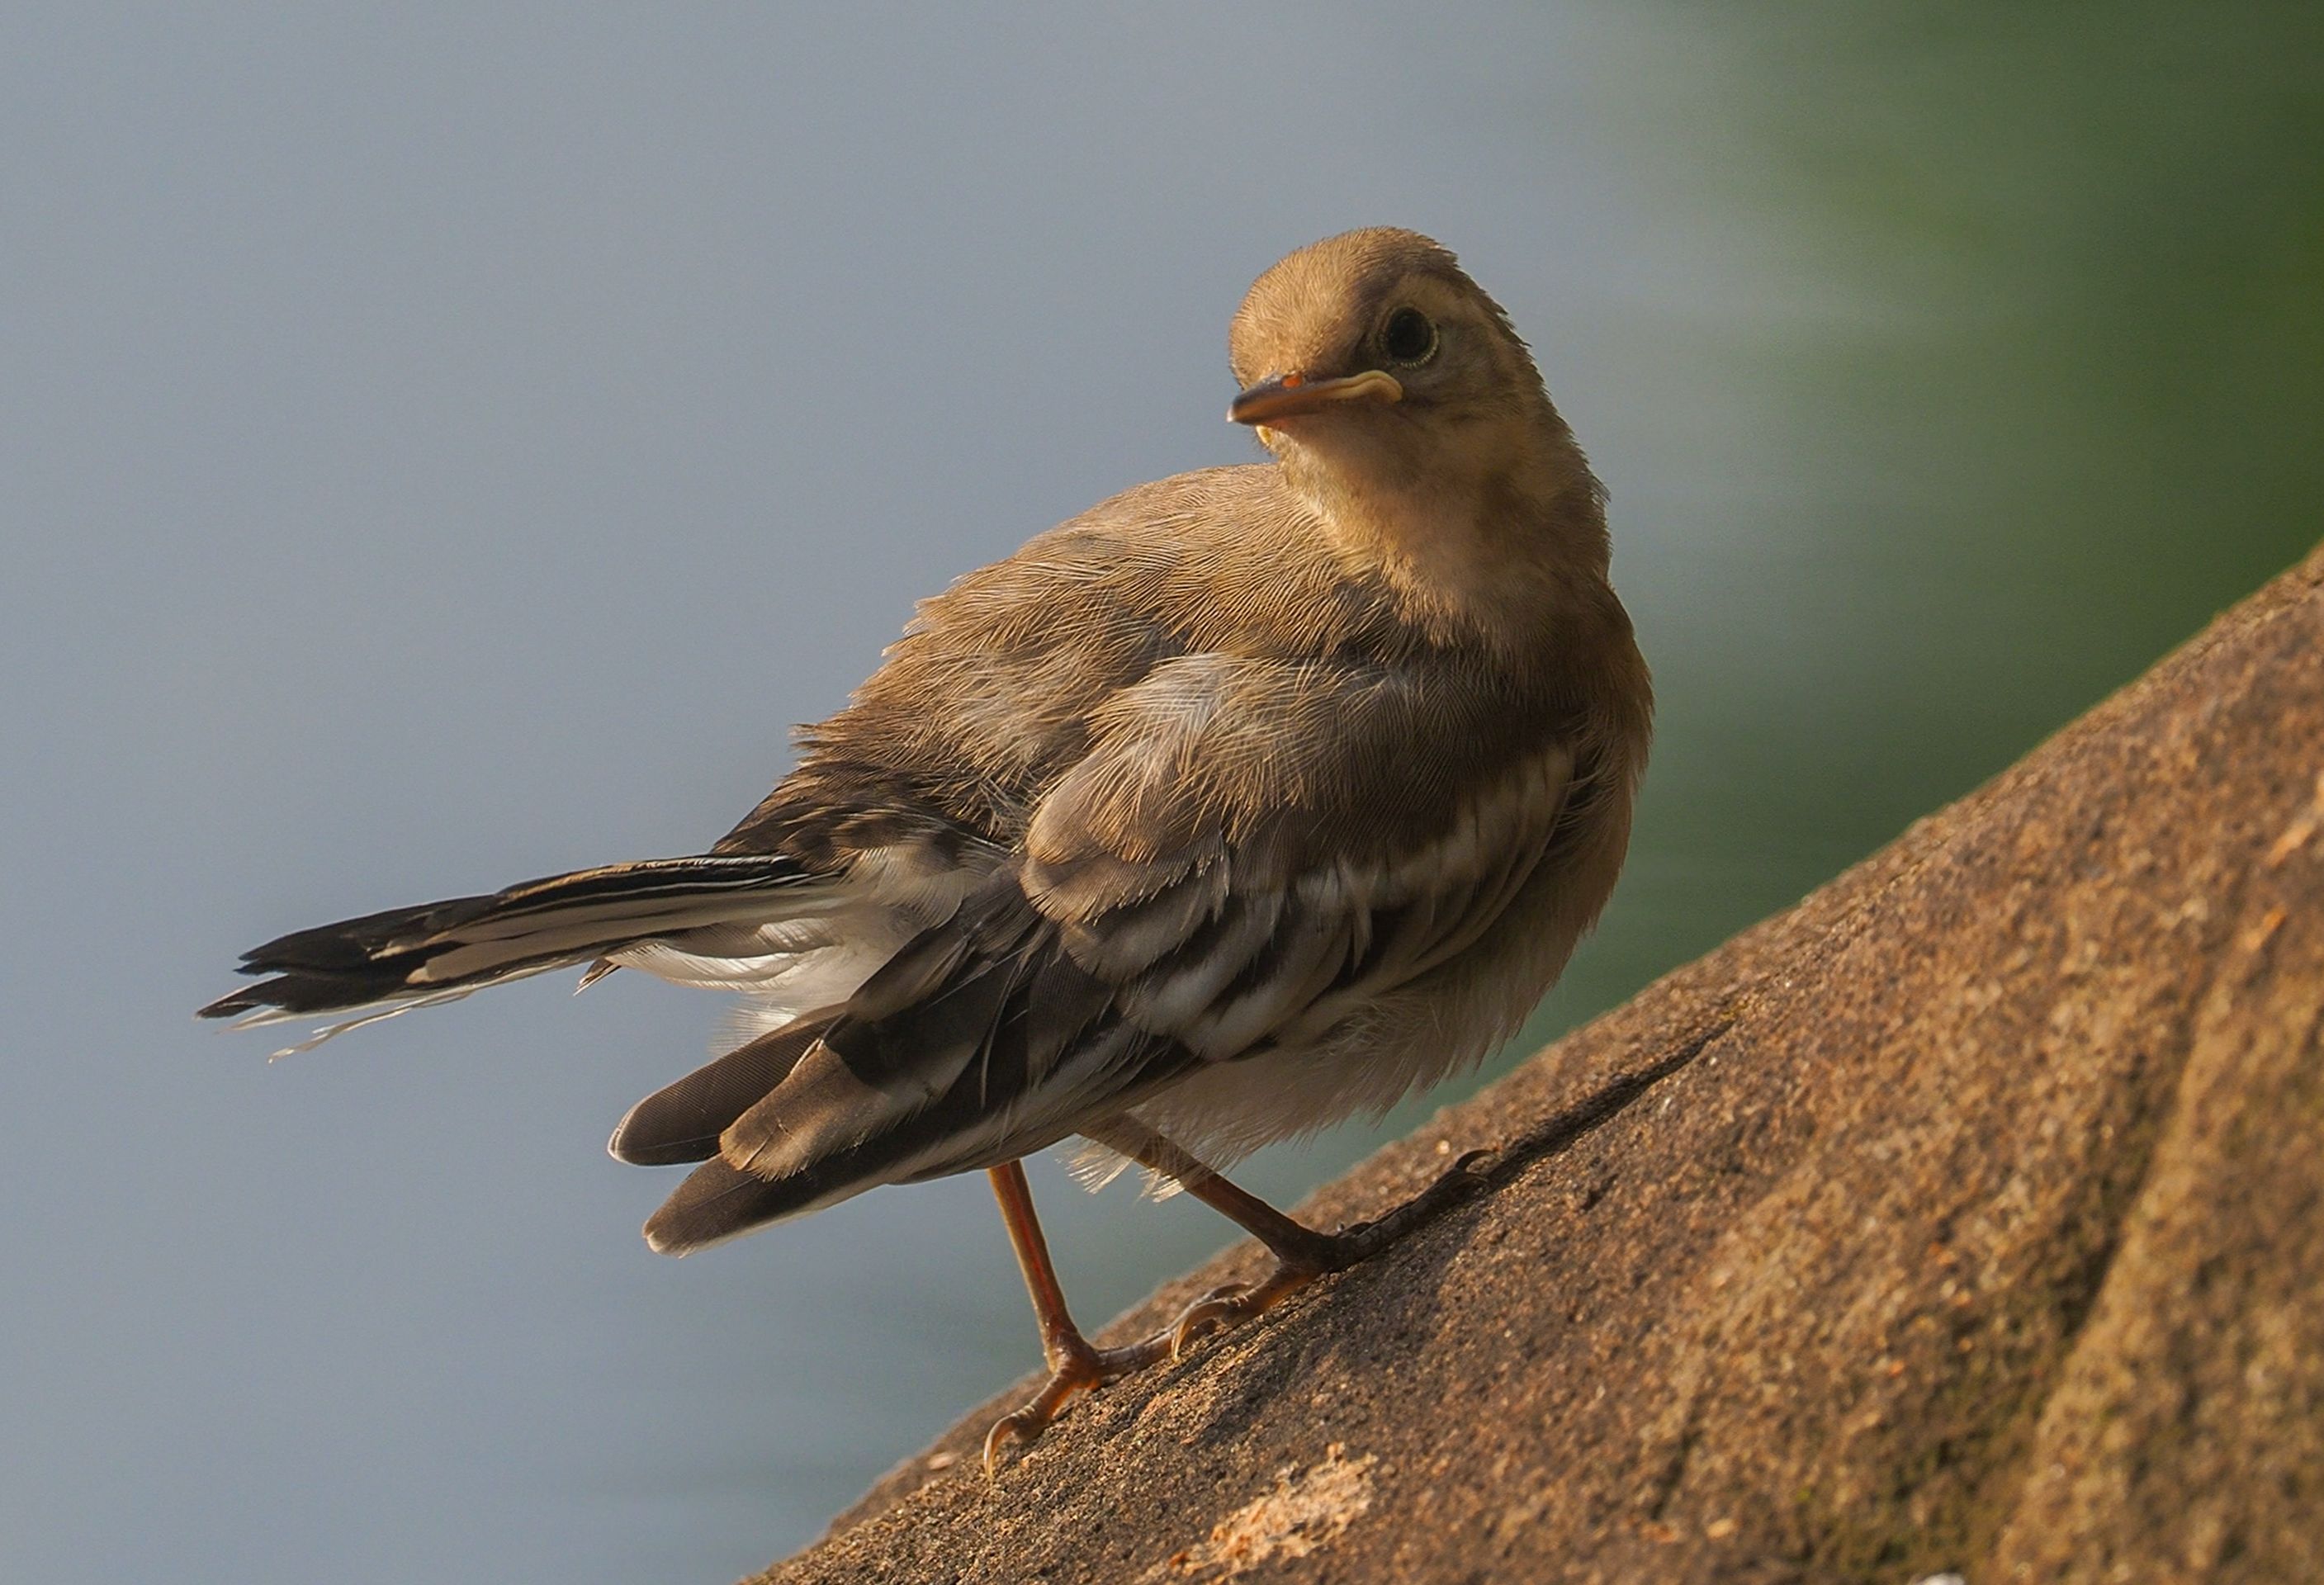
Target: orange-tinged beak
(1288, 395)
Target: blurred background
(444, 445)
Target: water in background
(450, 448)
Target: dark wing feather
(714, 1203)
(682, 1122)
(995, 1063)
(980, 1042)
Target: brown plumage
(1247, 800)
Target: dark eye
(1408, 337)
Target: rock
(1966, 1218)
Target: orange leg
(1301, 1253)
(1076, 1365)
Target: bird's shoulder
(1228, 559)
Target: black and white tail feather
(394, 962)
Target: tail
(438, 951)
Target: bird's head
(1403, 406)
(1371, 331)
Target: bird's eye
(1408, 337)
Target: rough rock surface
(1968, 1217)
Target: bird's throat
(1495, 549)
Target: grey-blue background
(442, 445)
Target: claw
(1234, 1304)
(1025, 1425)
(1218, 1307)
(1073, 1371)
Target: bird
(1250, 800)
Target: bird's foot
(1299, 1263)
(1076, 1366)
(1240, 1301)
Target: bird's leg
(1076, 1365)
(1301, 1253)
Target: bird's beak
(1284, 396)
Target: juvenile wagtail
(1244, 802)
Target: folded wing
(1249, 852)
